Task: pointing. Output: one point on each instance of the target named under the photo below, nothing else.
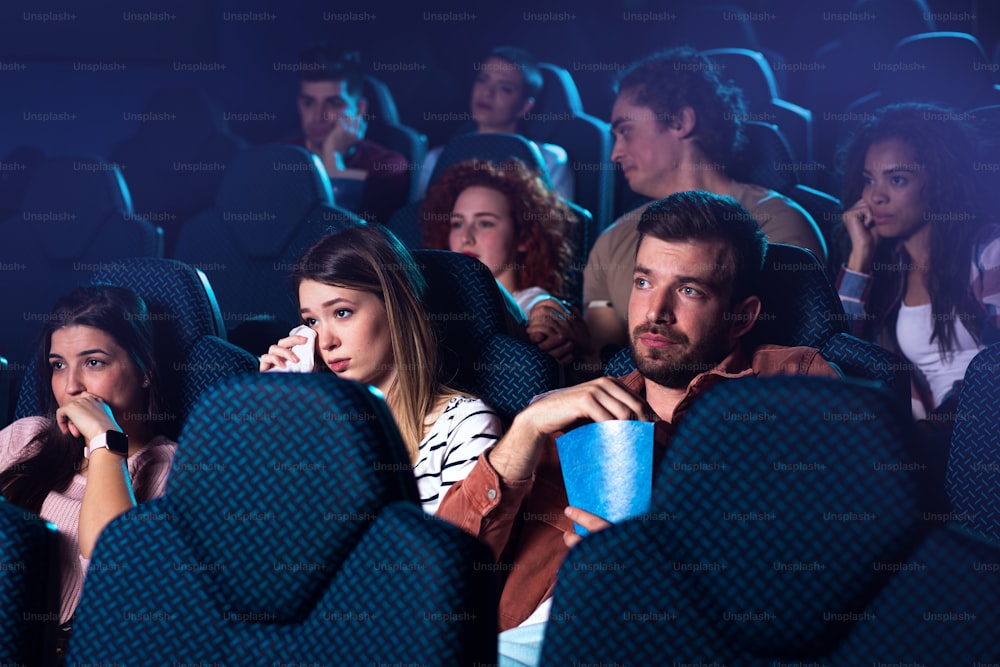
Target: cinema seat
(771, 541)
(290, 533)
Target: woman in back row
(503, 215)
(503, 93)
(923, 275)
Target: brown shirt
(523, 522)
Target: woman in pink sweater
(101, 447)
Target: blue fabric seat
(751, 71)
(76, 215)
(290, 532)
(29, 587)
(481, 349)
(973, 470)
(173, 167)
(273, 203)
(558, 118)
(786, 525)
(386, 129)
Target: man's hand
(346, 132)
(603, 399)
(588, 520)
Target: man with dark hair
(676, 128)
(368, 179)
(694, 296)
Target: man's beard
(675, 368)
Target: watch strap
(113, 441)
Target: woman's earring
(145, 382)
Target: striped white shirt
(448, 452)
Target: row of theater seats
(809, 534)
(208, 559)
(271, 203)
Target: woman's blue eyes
(339, 314)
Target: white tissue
(305, 352)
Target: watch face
(118, 442)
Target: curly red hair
(542, 222)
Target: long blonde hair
(372, 259)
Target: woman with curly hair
(923, 275)
(503, 215)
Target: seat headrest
(266, 192)
(278, 476)
(494, 147)
(798, 303)
(781, 483)
(69, 198)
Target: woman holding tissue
(359, 294)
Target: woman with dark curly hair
(923, 275)
(503, 215)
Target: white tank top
(913, 333)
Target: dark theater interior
(643, 332)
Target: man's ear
(362, 106)
(685, 120)
(744, 315)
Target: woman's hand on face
(86, 415)
(281, 353)
(864, 236)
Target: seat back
(29, 588)
(274, 202)
(492, 146)
(761, 535)
(386, 129)
(973, 477)
(175, 159)
(316, 555)
(76, 215)
(752, 73)
(952, 69)
(558, 118)
(191, 351)
(481, 348)
(766, 158)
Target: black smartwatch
(114, 441)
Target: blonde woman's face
(352, 332)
